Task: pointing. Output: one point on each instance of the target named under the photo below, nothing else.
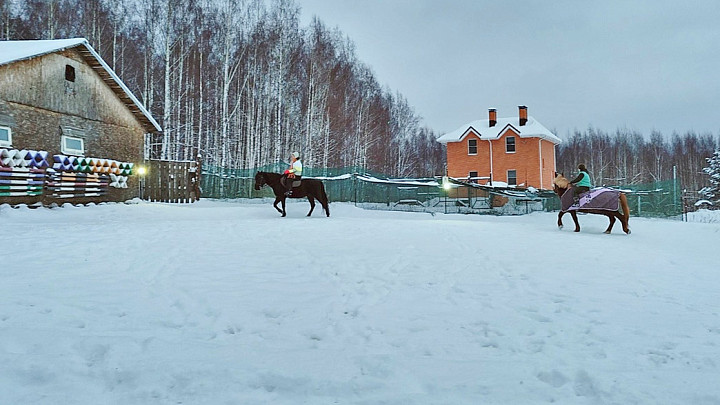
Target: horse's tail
(325, 200)
(625, 206)
(626, 212)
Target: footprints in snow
(583, 385)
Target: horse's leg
(282, 200)
(312, 204)
(323, 198)
(560, 215)
(625, 218)
(277, 200)
(574, 217)
(611, 217)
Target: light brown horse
(563, 185)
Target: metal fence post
(674, 189)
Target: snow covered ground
(227, 303)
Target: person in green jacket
(582, 181)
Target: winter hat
(581, 167)
(296, 155)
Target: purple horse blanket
(600, 198)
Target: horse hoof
(560, 227)
(607, 232)
(628, 231)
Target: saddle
(295, 183)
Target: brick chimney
(492, 117)
(522, 114)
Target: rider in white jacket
(294, 173)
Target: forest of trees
(627, 157)
(241, 83)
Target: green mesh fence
(659, 199)
(376, 191)
(221, 183)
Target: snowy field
(227, 303)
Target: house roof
(14, 51)
(531, 129)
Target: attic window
(69, 73)
(472, 146)
(510, 144)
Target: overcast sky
(637, 64)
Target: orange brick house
(517, 151)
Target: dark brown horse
(562, 186)
(311, 188)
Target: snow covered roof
(13, 51)
(531, 129)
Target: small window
(69, 73)
(512, 177)
(73, 146)
(472, 177)
(472, 146)
(510, 144)
(5, 136)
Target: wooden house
(518, 151)
(59, 96)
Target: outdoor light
(446, 183)
(142, 171)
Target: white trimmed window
(472, 146)
(72, 146)
(5, 136)
(510, 144)
(512, 177)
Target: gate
(170, 181)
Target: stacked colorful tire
(126, 169)
(118, 181)
(83, 165)
(19, 158)
(37, 159)
(62, 163)
(22, 158)
(6, 156)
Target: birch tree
(239, 81)
(404, 127)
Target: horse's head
(259, 180)
(560, 184)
